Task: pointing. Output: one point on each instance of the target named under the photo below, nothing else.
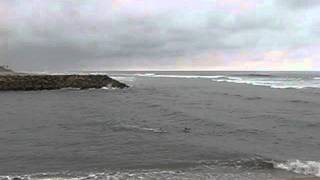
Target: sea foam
(301, 167)
(265, 80)
(179, 76)
(251, 79)
(123, 78)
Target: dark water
(238, 129)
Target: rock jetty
(51, 82)
(10, 80)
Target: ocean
(167, 125)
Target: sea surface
(167, 125)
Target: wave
(256, 75)
(265, 80)
(180, 76)
(251, 168)
(79, 89)
(147, 175)
(107, 88)
(202, 76)
(299, 101)
(272, 83)
(253, 98)
(309, 168)
(188, 170)
(70, 89)
(146, 74)
(138, 128)
(122, 78)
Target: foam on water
(271, 81)
(70, 89)
(153, 175)
(109, 88)
(146, 74)
(301, 167)
(278, 83)
(179, 76)
(138, 128)
(124, 79)
(249, 169)
(201, 172)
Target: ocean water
(282, 80)
(167, 125)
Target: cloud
(68, 34)
(300, 4)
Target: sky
(68, 35)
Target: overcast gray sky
(61, 35)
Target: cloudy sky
(63, 35)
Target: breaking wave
(278, 83)
(238, 169)
(266, 80)
(256, 75)
(123, 78)
(180, 76)
(310, 168)
(138, 128)
(147, 175)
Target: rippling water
(239, 126)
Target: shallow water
(238, 130)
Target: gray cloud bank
(300, 3)
(79, 38)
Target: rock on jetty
(19, 82)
